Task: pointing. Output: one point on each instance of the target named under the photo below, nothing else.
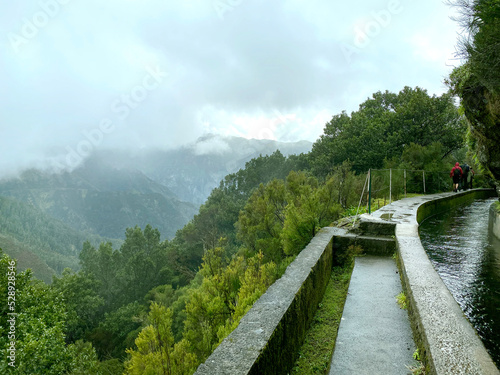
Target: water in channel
(466, 255)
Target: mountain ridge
(114, 189)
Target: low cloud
(256, 69)
(213, 145)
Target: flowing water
(466, 255)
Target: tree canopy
(384, 126)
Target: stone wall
(495, 219)
(436, 206)
(269, 336)
(446, 340)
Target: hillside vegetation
(38, 241)
(477, 81)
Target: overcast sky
(77, 75)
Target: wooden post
(370, 192)
(405, 182)
(423, 176)
(390, 185)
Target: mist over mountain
(113, 190)
(192, 171)
(97, 198)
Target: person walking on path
(456, 175)
(465, 175)
(471, 176)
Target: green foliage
(316, 352)
(29, 234)
(281, 218)
(39, 329)
(310, 207)
(255, 281)
(84, 359)
(419, 368)
(477, 81)
(118, 330)
(401, 298)
(84, 305)
(383, 127)
(261, 221)
(213, 303)
(481, 21)
(154, 345)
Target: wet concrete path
(374, 335)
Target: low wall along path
(270, 335)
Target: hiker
(471, 176)
(456, 175)
(465, 176)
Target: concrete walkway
(374, 336)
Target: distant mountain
(191, 172)
(45, 217)
(99, 199)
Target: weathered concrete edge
(448, 342)
(495, 221)
(269, 336)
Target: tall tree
(38, 328)
(383, 127)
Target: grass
(401, 298)
(316, 353)
(418, 368)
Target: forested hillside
(99, 199)
(39, 242)
(156, 305)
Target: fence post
(369, 192)
(405, 182)
(390, 185)
(423, 176)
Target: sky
(78, 76)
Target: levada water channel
(466, 255)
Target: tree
(104, 265)
(83, 304)
(255, 280)
(154, 345)
(383, 127)
(118, 330)
(261, 221)
(211, 304)
(311, 206)
(38, 327)
(145, 264)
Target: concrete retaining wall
(448, 342)
(269, 336)
(495, 220)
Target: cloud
(210, 146)
(257, 69)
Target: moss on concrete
(282, 348)
(316, 353)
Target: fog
(78, 76)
